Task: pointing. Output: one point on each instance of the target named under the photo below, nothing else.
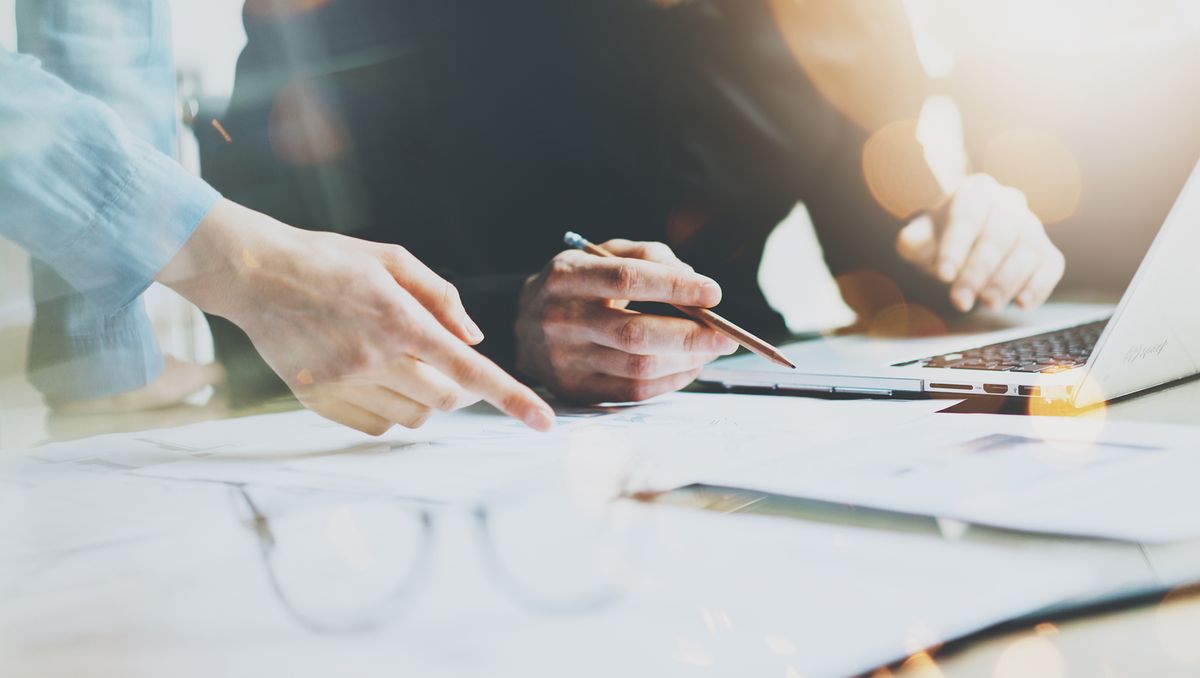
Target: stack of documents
(674, 441)
(1086, 477)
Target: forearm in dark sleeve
(856, 233)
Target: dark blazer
(476, 132)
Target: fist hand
(987, 245)
(576, 336)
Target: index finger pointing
(432, 290)
(479, 375)
(632, 280)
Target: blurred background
(1093, 109)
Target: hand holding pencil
(575, 335)
(700, 314)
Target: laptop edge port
(1032, 391)
(953, 387)
(996, 389)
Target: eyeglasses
(347, 562)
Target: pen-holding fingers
(650, 251)
(642, 367)
(646, 334)
(609, 388)
(434, 292)
(575, 274)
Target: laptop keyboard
(1051, 352)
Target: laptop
(1080, 354)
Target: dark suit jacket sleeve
(491, 301)
(756, 136)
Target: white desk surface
(1151, 639)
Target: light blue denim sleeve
(88, 187)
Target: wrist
(216, 267)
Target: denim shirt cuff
(115, 354)
(144, 224)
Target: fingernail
(947, 270)
(542, 419)
(710, 292)
(473, 332)
(1026, 298)
(963, 298)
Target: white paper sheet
(1087, 477)
(672, 441)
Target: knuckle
(466, 372)
(639, 366)
(985, 182)
(624, 280)
(355, 360)
(990, 251)
(679, 286)
(420, 342)
(513, 402)
(1006, 282)
(553, 316)
(394, 251)
(446, 401)
(397, 255)
(450, 296)
(1014, 197)
(977, 186)
(631, 334)
(558, 271)
(635, 391)
(956, 242)
(1002, 229)
(1024, 259)
(559, 360)
(691, 339)
(400, 317)
(658, 250)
